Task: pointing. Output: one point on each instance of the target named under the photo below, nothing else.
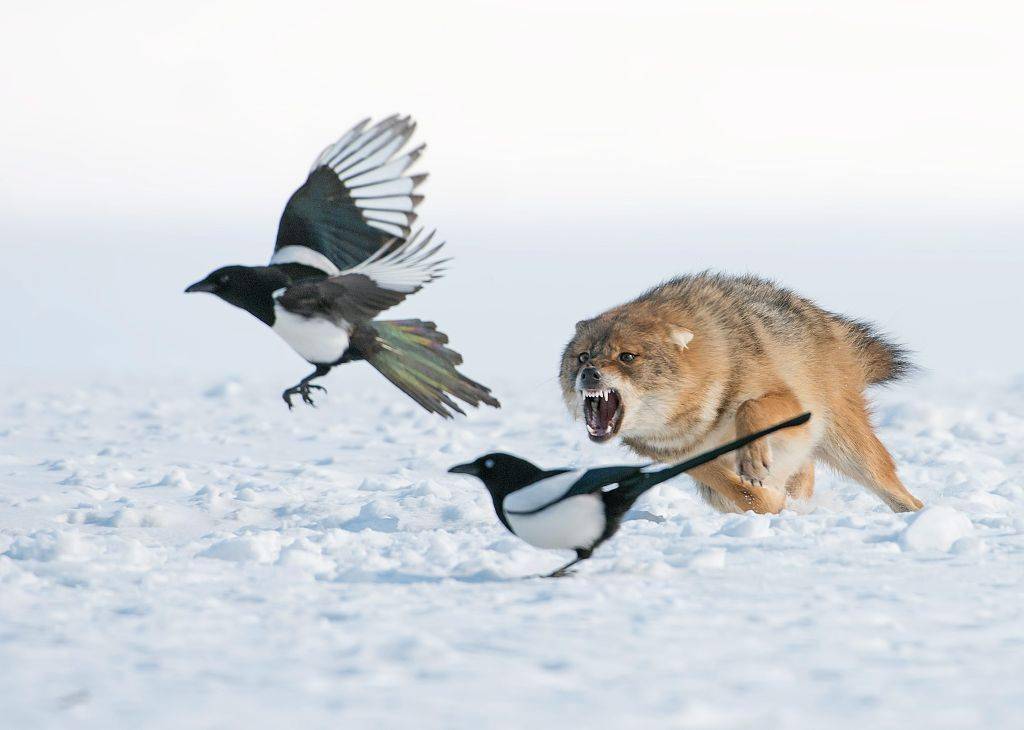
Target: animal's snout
(590, 378)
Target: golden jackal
(702, 359)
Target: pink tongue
(600, 417)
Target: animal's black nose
(590, 378)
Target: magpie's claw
(563, 572)
(302, 389)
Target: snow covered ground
(186, 553)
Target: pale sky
(870, 154)
(791, 104)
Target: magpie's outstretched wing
(355, 202)
(406, 267)
(364, 291)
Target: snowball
(935, 528)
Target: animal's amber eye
(584, 357)
(627, 357)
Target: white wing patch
(406, 268)
(541, 493)
(307, 256)
(365, 163)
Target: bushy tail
(412, 355)
(882, 359)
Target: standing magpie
(345, 252)
(576, 509)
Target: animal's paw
(755, 462)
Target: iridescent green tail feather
(412, 355)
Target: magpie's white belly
(315, 339)
(576, 522)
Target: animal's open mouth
(602, 411)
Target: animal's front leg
(755, 460)
(733, 493)
(303, 387)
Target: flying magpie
(345, 252)
(577, 509)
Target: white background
(866, 154)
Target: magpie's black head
(248, 287)
(500, 473)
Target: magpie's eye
(223, 279)
(489, 464)
(627, 357)
(584, 357)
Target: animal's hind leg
(852, 449)
(801, 484)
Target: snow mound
(50, 545)
(226, 390)
(263, 548)
(748, 525)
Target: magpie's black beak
(469, 468)
(205, 285)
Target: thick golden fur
(718, 357)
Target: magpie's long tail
(412, 355)
(651, 479)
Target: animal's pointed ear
(682, 336)
(581, 324)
